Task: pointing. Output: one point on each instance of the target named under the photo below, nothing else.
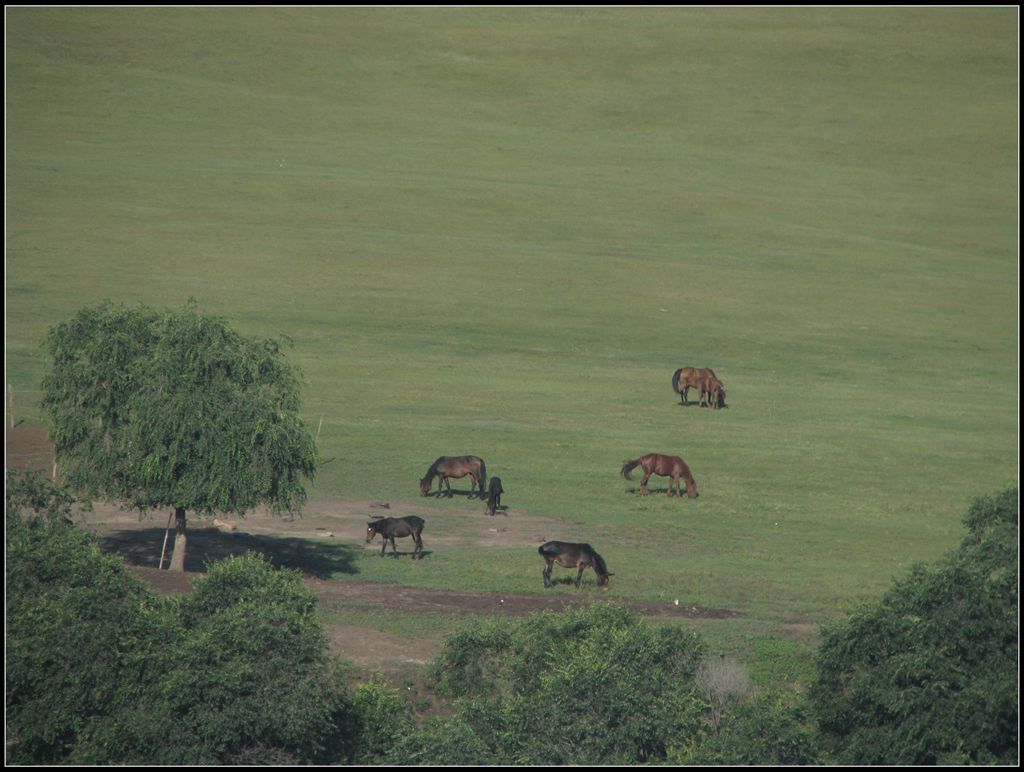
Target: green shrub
(249, 677)
(591, 686)
(77, 625)
(382, 717)
(102, 671)
(443, 742)
(767, 730)
(929, 674)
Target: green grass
(499, 232)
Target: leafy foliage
(251, 668)
(245, 679)
(175, 409)
(101, 671)
(76, 625)
(928, 675)
(770, 729)
(382, 716)
(588, 686)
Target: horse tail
(482, 482)
(675, 380)
(629, 466)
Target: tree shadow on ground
(141, 547)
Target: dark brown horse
(709, 388)
(494, 491)
(663, 466)
(390, 527)
(455, 466)
(571, 555)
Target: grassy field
(499, 231)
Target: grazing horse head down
(455, 466)
(573, 555)
(494, 491)
(710, 389)
(663, 466)
(712, 392)
(391, 527)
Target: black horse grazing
(494, 491)
(390, 527)
(455, 466)
(664, 466)
(570, 555)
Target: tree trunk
(180, 541)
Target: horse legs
(546, 573)
(419, 546)
(579, 574)
(383, 544)
(643, 484)
(674, 482)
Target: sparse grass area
(499, 232)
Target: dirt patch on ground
(360, 595)
(325, 542)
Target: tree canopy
(929, 674)
(175, 409)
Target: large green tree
(929, 674)
(175, 409)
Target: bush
(77, 625)
(382, 717)
(446, 742)
(929, 674)
(102, 671)
(247, 678)
(767, 730)
(591, 686)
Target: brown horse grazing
(699, 378)
(494, 491)
(663, 466)
(455, 466)
(570, 555)
(390, 527)
(712, 392)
